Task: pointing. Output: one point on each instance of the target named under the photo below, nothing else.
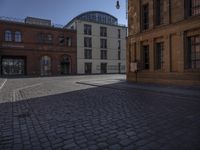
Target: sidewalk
(190, 91)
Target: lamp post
(117, 5)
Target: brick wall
(33, 50)
(173, 33)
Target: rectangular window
(119, 33)
(88, 54)
(119, 44)
(159, 12)
(145, 17)
(18, 36)
(103, 31)
(8, 36)
(103, 43)
(87, 29)
(159, 55)
(193, 52)
(119, 55)
(145, 58)
(69, 41)
(103, 54)
(49, 38)
(88, 68)
(88, 42)
(194, 6)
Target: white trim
(2, 85)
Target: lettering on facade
(12, 45)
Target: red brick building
(34, 47)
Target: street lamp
(117, 5)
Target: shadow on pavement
(100, 118)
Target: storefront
(12, 65)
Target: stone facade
(32, 47)
(176, 28)
(115, 38)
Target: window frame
(88, 53)
(18, 37)
(193, 6)
(68, 41)
(190, 48)
(103, 43)
(145, 16)
(103, 31)
(87, 29)
(8, 37)
(104, 55)
(88, 43)
(159, 12)
(159, 55)
(145, 56)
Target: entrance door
(103, 68)
(65, 65)
(13, 66)
(88, 68)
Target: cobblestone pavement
(61, 113)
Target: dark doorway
(103, 68)
(65, 65)
(88, 68)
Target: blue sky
(60, 11)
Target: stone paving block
(61, 114)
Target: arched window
(8, 35)
(18, 36)
(45, 65)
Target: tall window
(103, 54)
(88, 42)
(145, 17)
(159, 55)
(119, 44)
(45, 66)
(88, 54)
(62, 40)
(119, 33)
(87, 29)
(103, 31)
(49, 38)
(119, 55)
(145, 58)
(8, 35)
(194, 7)
(159, 12)
(18, 36)
(103, 43)
(193, 52)
(69, 41)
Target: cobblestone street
(96, 112)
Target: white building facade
(101, 43)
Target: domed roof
(96, 16)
